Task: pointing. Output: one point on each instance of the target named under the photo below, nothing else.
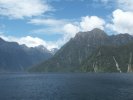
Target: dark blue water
(66, 86)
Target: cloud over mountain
(122, 21)
(30, 41)
(68, 28)
(90, 22)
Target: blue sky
(53, 22)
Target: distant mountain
(16, 58)
(121, 39)
(54, 50)
(72, 55)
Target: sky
(52, 23)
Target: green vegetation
(103, 59)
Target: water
(77, 86)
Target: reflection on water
(79, 86)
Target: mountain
(110, 59)
(72, 55)
(16, 58)
(54, 50)
(121, 39)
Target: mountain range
(92, 51)
(18, 58)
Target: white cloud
(71, 29)
(30, 41)
(126, 5)
(18, 9)
(90, 22)
(122, 22)
(86, 24)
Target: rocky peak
(121, 38)
(95, 33)
(98, 32)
